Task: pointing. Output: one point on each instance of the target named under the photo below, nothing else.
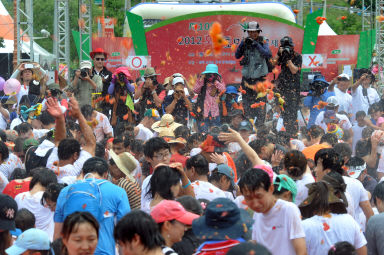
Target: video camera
(318, 85)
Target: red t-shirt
(16, 187)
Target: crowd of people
(109, 163)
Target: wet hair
(99, 150)
(258, 144)
(367, 132)
(363, 148)
(52, 192)
(360, 114)
(182, 131)
(44, 176)
(190, 204)
(4, 151)
(46, 118)
(330, 160)
(342, 248)
(263, 130)
(283, 137)
(86, 110)
(18, 173)
(254, 179)
(139, 223)
(216, 177)
(355, 161)
(194, 137)
(154, 145)
(200, 164)
(67, 148)
(378, 192)
(315, 131)
(295, 163)
(343, 149)
(72, 222)
(23, 128)
(330, 139)
(95, 165)
(25, 219)
(118, 139)
(163, 178)
(137, 146)
(375, 107)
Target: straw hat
(166, 122)
(125, 162)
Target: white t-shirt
(302, 190)
(380, 167)
(345, 101)
(240, 202)
(103, 127)
(67, 170)
(144, 133)
(3, 121)
(23, 91)
(277, 228)
(235, 147)
(206, 190)
(344, 121)
(38, 133)
(15, 122)
(323, 232)
(44, 216)
(360, 102)
(357, 135)
(146, 199)
(8, 166)
(3, 182)
(358, 194)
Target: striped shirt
(133, 192)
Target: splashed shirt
(206, 190)
(10, 164)
(210, 102)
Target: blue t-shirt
(114, 205)
(311, 101)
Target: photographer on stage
(255, 54)
(288, 82)
(84, 83)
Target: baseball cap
(344, 76)
(245, 125)
(168, 210)
(86, 64)
(31, 239)
(332, 101)
(177, 80)
(153, 113)
(226, 170)
(286, 182)
(8, 210)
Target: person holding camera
(85, 83)
(150, 93)
(363, 95)
(178, 104)
(255, 54)
(99, 56)
(318, 93)
(288, 82)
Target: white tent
(325, 29)
(6, 32)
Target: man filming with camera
(84, 83)
(288, 82)
(255, 54)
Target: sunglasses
(100, 59)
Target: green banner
(366, 46)
(76, 38)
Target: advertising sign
(314, 61)
(138, 62)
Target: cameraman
(318, 92)
(84, 83)
(255, 52)
(151, 93)
(288, 82)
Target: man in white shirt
(98, 122)
(362, 94)
(343, 82)
(143, 130)
(197, 171)
(4, 117)
(277, 222)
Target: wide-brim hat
(222, 220)
(253, 26)
(124, 161)
(178, 140)
(150, 71)
(124, 70)
(212, 68)
(166, 122)
(320, 78)
(98, 51)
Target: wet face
(99, 60)
(83, 240)
(118, 148)
(177, 232)
(259, 200)
(267, 151)
(254, 34)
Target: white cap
(344, 75)
(177, 80)
(86, 64)
(332, 101)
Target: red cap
(98, 51)
(168, 210)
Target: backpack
(85, 196)
(33, 161)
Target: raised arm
(54, 110)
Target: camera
(121, 77)
(287, 52)
(248, 41)
(317, 88)
(84, 72)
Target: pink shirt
(210, 102)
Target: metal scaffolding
(366, 17)
(62, 33)
(24, 26)
(85, 28)
(380, 39)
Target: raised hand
(53, 108)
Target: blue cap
(211, 68)
(31, 239)
(226, 170)
(245, 125)
(231, 90)
(320, 78)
